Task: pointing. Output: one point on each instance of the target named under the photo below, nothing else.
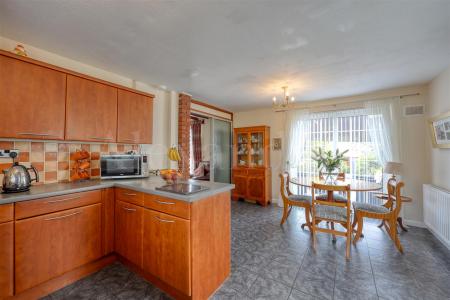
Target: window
(343, 131)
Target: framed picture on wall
(440, 130)
(277, 144)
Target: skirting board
(415, 223)
(438, 236)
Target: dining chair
(337, 197)
(387, 213)
(291, 200)
(333, 212)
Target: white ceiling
(238, 54)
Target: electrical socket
(7, 152)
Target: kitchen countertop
(145, 185)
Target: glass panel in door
(257, 149)
(242, 149)
(221, 154)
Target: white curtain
(384, 128)
(296, 138)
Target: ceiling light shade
(284, 102)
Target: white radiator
(436, 212)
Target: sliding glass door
(221, 151)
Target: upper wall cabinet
(32, 100)
(135, 118)
(91, 113)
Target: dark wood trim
(67, 71)
(212, 107)
(61, 281)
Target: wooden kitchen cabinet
(135, 118)
(32, 100)
(108, 220)
(91, 113)
(128, 231)
(251, 172)
(6, 250)
(167, 249)
(49, 245)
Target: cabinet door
(255, 188)
(129, 232)
(91, 113)
(32, 101)
(167, 249)
(108, 203)
(50, 245)
(6, 259)
(240, 182)
(135, 118)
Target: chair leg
(285, 214)
(308, 219)
(334, 236)
(393, 225)
(355, 221)
(360, 220)
(289, 211)
(349, 237)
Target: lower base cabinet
(6, 259)
(167, 249)
(49, 245)
(129, 231)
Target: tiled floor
(273, 262)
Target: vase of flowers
(330, 162)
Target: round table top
(355, 185)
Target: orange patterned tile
(95, 172)
(37, 156)
(38, 165)
(51, 166)
(120, 148)
(51, 176)
(63, 165)
(22, 146)
(135, 147)
(51, 156)
(95, 155)
(63, 156)
(63, 147)
(4, 167)
(104, 148)
(24, 156)
(6, 145)
(86, 147)
(37, 146)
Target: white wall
(414, 141)
(440, 103)
(165, 102)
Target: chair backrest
(284, 187)
(394, 190)
(331, 188)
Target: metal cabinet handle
(62, 200)
(164, 221)
(62, 217)
(101, 138)
(163, 202)
(36, 134)
(129, 209)
(129, 194)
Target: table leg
(400, 223)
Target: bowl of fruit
(170, 175)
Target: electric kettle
(17, 178)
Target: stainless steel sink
(182, 188)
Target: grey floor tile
(397, 289)
(297, 295)
(265, 288)
(282, 270)
(319, 285)
(240, 280)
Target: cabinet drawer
(6, 213)
(174, 207)
(240, 172)
(37, 207)
(256, 172)
(130, 196)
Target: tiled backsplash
(52, 159)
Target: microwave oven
(123, 166)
